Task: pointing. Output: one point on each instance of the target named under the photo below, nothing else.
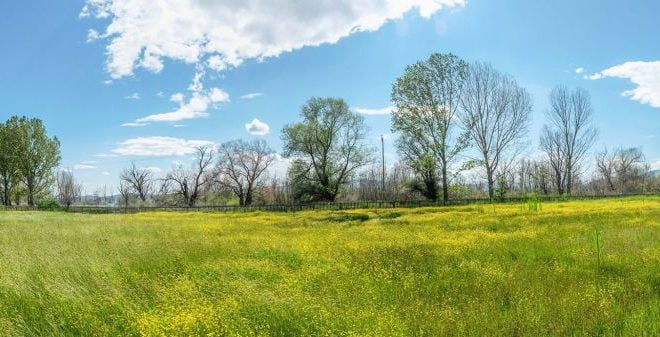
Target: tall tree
(38, 155)
(426, 99)
(241, 166)
(327, 146)
(568, 135)
(140, 180)
(496, 113)
(9, 175)
(189, 183)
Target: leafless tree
(188, 183)
(606, 166)
(125, 192)
(569, 134)
(138, 179)
(628, 167)
(241, 166)
(68, 191)
(496, 113)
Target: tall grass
(569, 269)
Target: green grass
(481, 270)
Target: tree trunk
(491, 183)
(445, 187)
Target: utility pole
(382, 150)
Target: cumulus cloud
(646, 75)
(158, 146)
(375, 112)
(224, 33)
(252, 95)
(257, 128)
(579, 70)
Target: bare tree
(125, 192)
(241, 166)
(569, 134)
(138, 179)
(427, 97)
(189, 183)
(496, 113)
(628, 166)
(68, 191)
(606, 165)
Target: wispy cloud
(134, 124)
(158, 146)
(579, 70)
(133, 96)
(83, 167)
(252, 95)
(197, 106)
(375, 112)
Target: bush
(48, 205)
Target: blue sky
(85, 88)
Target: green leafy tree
(39, 156)
(327, 147)
(426, 99)
(9, 177)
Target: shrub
(48, 204)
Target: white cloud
(655, 165)
(105, 155)
(179, 126)
(178, 97)
(257, 128)
(158, 146)
(134, 124)
(92, 35)
(374, 112)
(83, 167)
(160, 94)
(252, 95)
(134, 96)
(218, 96)
(196, 107)
(224, 33)
(105, 173)
(154, 169)
(579, 70)
(646, 75)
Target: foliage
(449, 271)
(36, 157)
(426, 98)
(327, 148)
(48, 204)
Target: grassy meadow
(582, 268)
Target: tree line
(461, 128)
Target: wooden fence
(348, 205)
